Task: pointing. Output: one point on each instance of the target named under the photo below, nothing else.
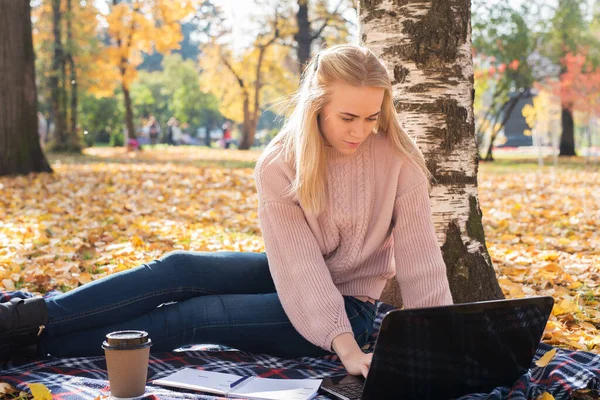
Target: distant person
(133, 145)
(170, 124)
(174, 134)
(153, 130)
(226, 141)
(343, 205)
(42, 129)
(177, 133)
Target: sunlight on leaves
(111, 210)
(542, 232)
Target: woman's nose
(359, 131)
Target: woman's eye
(347, 119)
(372, 119)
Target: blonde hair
(302, 141)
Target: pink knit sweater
(378, 206)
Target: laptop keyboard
(351, 391)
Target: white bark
(435, 92)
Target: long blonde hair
(300, 136)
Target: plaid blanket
(86, 377)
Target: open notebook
(249, 387)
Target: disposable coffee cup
(127, 354)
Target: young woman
(343, 207)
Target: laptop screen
(447, 352)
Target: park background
(208, 69)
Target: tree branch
(263, 48)
(327, 20)
(235, 74)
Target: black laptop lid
(447, 352)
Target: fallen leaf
(565, 306)
(6, 388)
(40, 391)
(546, 358)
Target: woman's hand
(358, 363)
(355, 361)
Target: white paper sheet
(278, 389)
(195, 379)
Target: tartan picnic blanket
(86, 377)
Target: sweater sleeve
(302, 279)
(420, 268)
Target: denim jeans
(183, 298)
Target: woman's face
(350, 116)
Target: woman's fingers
(365, 367)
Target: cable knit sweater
(376, 224)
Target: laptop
(449, 351)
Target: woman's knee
(183, 263)
(177, 263)
(214, 258)
(175, 257)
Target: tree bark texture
(75, 141)
(426, 46)
(123, 65)
(304, 36)
(567, 138)
(60, 136)
(131, 134)
(20, 151)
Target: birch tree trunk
(426, 46)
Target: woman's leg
(177, 276)
(251, 322)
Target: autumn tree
(568, 31)
(61, 135)
(245, 83)
(135, 27)
(579, 86)
(196, 30)
(67, 55)
(20, 151)
(313, 21)
(543, 119)
(502, 36)
(70, 62)
(428, 54)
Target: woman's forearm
(345, 345)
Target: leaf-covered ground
(109, 211)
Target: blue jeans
(184, 298)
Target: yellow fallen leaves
(87, 221)
(545, 396)
(543, 234)
(112, 211)
(565, 306)
(546, 358)
(38, 392)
